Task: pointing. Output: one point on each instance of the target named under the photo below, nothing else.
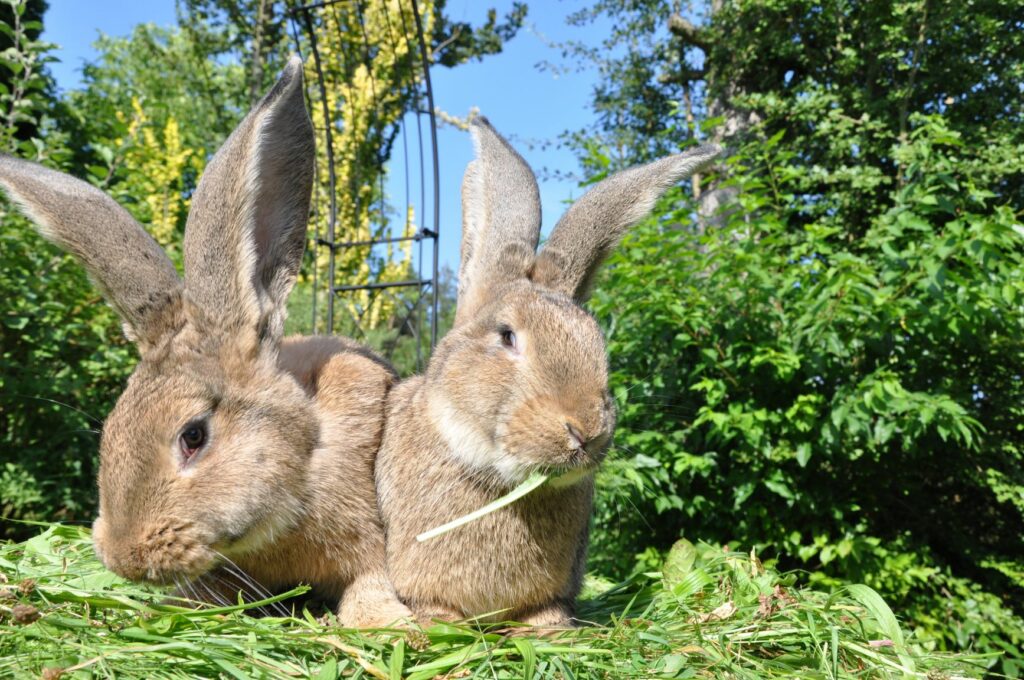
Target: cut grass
(713, 614)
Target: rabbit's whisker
(61, 403)
(230, 587)
(204, 591)
(183, 590)
(258, 589)
(244, 579)
(189, 591)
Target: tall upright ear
(593, 226)
(247, 228)
(130, 269)
(500, 219)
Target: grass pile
(709, 614)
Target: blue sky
(526, 104)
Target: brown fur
(283, 487)
(485, 415)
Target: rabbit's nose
(578, 440)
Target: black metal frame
(302, 20)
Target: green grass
(712, 614)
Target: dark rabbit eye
(192, 438)
(508, 338)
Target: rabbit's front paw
(372, 603)
(555, 616)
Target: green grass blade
(886, 620)
(529, 654)
(397, 660)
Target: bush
(63, 361)
(851, 406)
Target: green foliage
(853, 407)
(23, 77)
(456, 42)
(715, 614)
(152, 108)
(62, 363)
(62, 358)
(837, 378)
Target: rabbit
(518, 386)
(232, 451)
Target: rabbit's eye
(192, 439)
(508, 338)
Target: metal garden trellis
(303, 23)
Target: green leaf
(529, 654)
(884, 618)
(397, 660)
(803, 454)
(679, 562)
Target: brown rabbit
(230, 448)
(519, 385)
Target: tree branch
(687, 32)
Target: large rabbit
(519, 385)
(230, 447)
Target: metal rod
(333, 215)
(385, 284)
(418, 236)
(437, 174)
(315, 5)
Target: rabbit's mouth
(577, 465)
(238, 542)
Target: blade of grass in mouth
(531, 483)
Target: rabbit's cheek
(248, 535)
(534, 434)
(468, 444)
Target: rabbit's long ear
(586, 234)
(130, 269)
(500, 219)
(247, 228)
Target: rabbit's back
(349, 385)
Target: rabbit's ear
(247, 228)
(500, 219)
(131, 270)
(588, 231)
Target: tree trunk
(713, 199)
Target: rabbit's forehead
(564, 341)
(555, 318)
(150, 405)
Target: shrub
(849, 406)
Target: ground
(710, 613)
